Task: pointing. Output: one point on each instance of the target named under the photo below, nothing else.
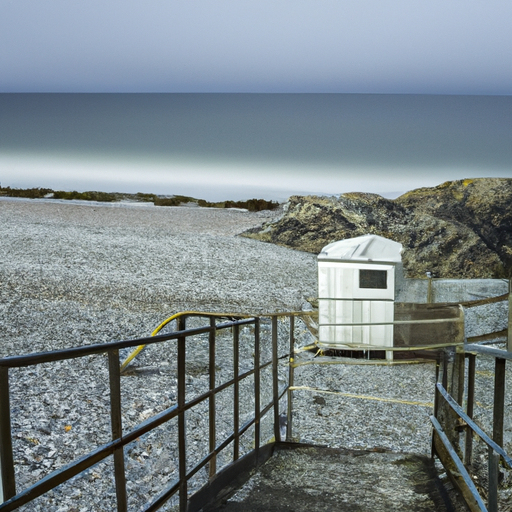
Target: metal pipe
(257, 387)
(499, 401)
(471, 424)
(468, 455)
(291, 371)
(509, 327)
(212, 469)
(236, 391)
(101, 348)
(489, 351)
(117, 428)
(275, 381)
(436, 403)
(458, 463)
(182, 435)
(7, 479)
(492, 491)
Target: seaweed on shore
(253, 205)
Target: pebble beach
(75, 274)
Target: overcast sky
(372, 46)
(333, 144)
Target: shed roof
(367, 248)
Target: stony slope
(457, 229)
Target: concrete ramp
(315, 479)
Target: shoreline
(113, 204)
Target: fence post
(212, 467)
(499, 401)
(453, 382)
(257, 387)
(275, 381)
(509, 344)
(117, 428)
(289, 426)
(492, 497)
(236, 393)
(7, 480)
(182, 450)
(470, 407)
(436, 401)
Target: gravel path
(79, 274)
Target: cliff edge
(458, 229)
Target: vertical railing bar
(492, 492)
(459, 370)
(7, 478)
(436, 402)
(117, 428)
(460, 365)
(212, 465)
(468, 455)
(499, 401)
(257, 387)
(182, 453)
(444, 376)
(236, 391)
(291, 369)
(509, 325)
(275, 380)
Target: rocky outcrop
(457, 229)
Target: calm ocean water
(219, 146)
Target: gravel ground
(79, 274)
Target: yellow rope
(140, 348)
(377, 362)
(364, 397)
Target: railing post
(275, 381)
(7, 479)
(117, 428)
(470, 408)
(182, 450)
(499, 401)
(257, 409)
(289, 426)
(212, 467)
(236, 394)
(453, 382)
(509, 335)
(436, 403)
(492, 496)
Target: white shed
(356, 285)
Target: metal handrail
(448, 434)
(458, 463)
(119, 440)
(472, 425)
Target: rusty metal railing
(450, 419)
(11, 498)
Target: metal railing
(11, 498)
(450, 419)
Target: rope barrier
(363, 397)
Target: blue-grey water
(220, 146)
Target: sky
(263, 98)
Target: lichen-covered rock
(458, 229)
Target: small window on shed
(373, 279)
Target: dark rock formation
(457, 229)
